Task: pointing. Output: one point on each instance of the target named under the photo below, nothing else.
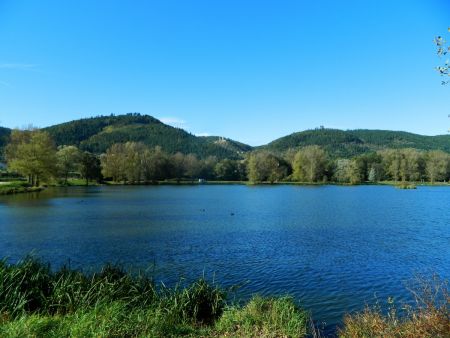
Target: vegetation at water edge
(38, 302)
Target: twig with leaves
(442, 51)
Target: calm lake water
(334, 248)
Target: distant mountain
(340, 143)
(97, 134)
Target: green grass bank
(15, 187)
(36, 301)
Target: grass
(14, 187)
(264, 317)
(406, 185)
(75, 182)
(430, 317)
(38, 302)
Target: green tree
(32, 153)
(410, 164)
(177, 166)
(225, 170)
(402, 164)
(391, 160)
(437, 165)
(113, 162)
(264, 166)
(90, 167)
(207, 167)
(192, 166)
(156, 164)
(310, 164)
(134, 153)
(347, 171)
(68, 160)
(376, 173)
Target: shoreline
(11, 188)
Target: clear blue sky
(248, 70)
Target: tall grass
(38, 302)
(430, 317)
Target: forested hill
(340, 143)
(98, 133)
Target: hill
(97, 134)
(348, 143)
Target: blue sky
(249, 70)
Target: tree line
(33, 154)
(312, 164)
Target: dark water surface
(334, 248)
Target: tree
(376, 172)
(192, 166)
(32, 153)
(310, 164)
(68, 158)
(207, 167)
(373, 175)
(263, 166)
(177, 166)
(402, 164)
(225, 170)
(442, 51)
(437, 165)
(134, 161)
(114, 162)
(363, 163)
(156, 164)
(90, 167)
(347, 171)
(410, 164)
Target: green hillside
(340, 143)
(98, 133)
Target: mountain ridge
(98, 133)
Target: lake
(333, 248)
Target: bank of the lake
(17, 187)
